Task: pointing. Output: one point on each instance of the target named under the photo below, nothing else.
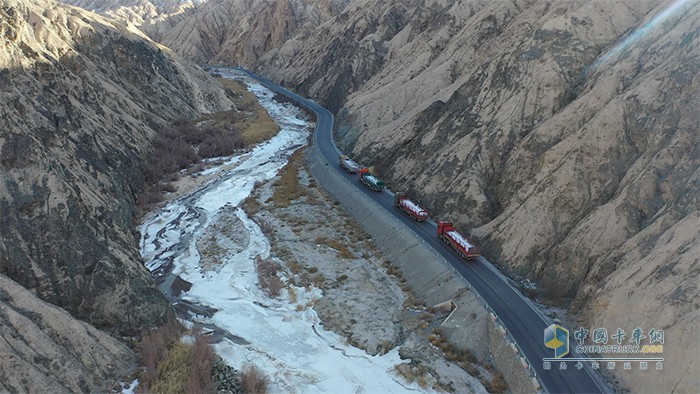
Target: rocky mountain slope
(44, 349)
(155, 17)
(239, 32)
(82, 96)
(564, 135)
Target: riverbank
(209, 253)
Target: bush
(498, 384)
(185, 145)
(154, 348)
(173, 371)
(200, 379)
(267, 276)
(253, 381)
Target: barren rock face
(155, 17)
(239, 32)
(51, 351)
(81, 97)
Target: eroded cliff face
(563, 135)
(50, 351)
(81, 96)
(154, 17)
(234, 32)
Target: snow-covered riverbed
(282, 338)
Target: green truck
(370, 180)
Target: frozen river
(281, 339)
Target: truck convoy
(370, 180)
(464, 247)
(412, 209)
(349, 165)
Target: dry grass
(462, 357)
(414, 373)
(341, 250)
(498, 384)
(253, 121)
(179, 367)
(287, 187)
(253, 381)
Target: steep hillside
(81, 97)
(44, 349)
(239, 32)
(155, 17)
(564, 135)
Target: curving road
(519, 316)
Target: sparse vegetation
(154, 347)
(287, 187)
(185, 144)
(341, 250)
(172, 366)
(253, 381)
(267, 276)
(253, 121)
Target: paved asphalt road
(520, 318)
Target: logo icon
(557, 337)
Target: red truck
(466, 248)
(412, 209)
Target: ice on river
(288, 344)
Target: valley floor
(330, 317)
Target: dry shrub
(294, 266)
(184, 145)
(318, 280)
(169, 187)
(253, 381)
(173, 370)
(216, 142)
(498, 384)
(292, 294)
(154, 348)
(267, 276)
(200, 379)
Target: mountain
(563, 135)
(239, 32)
(152, 16)
(82, 97)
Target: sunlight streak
(642, 31)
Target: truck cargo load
(465, 247)
(370, 180)
(412, 209)
(348, 165)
